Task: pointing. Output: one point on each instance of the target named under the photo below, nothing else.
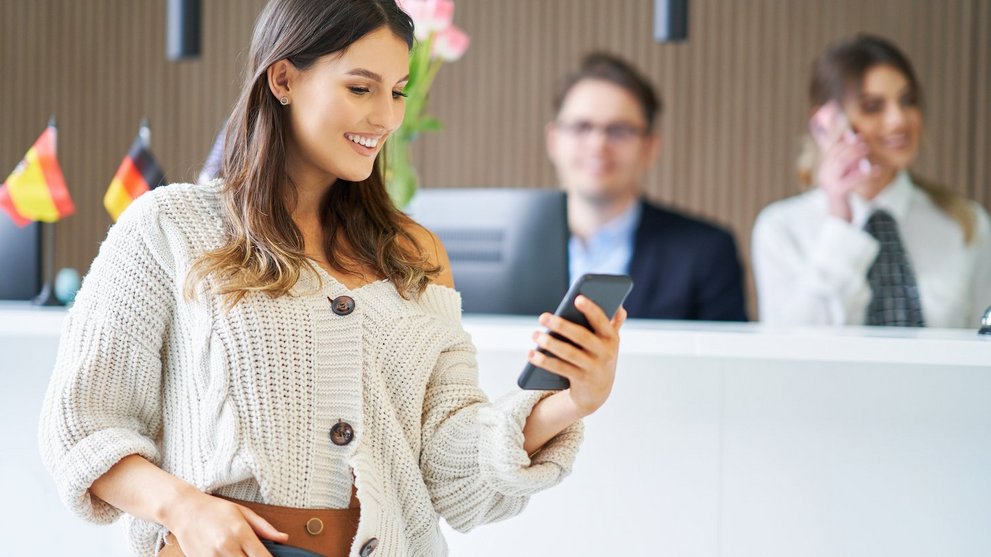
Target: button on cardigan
(244, 403)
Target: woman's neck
(876, 184)
(310, 182)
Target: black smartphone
(282, 550)
(608, 292)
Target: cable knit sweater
(241, 404)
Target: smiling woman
(315, 111)
(277, 357)
(873, 243)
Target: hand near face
(843, 165)
(591, 365)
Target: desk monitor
(508, 247)
(20, 260)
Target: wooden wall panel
(980, 107)
(734, 93)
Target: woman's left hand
(591, 365)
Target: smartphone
(608, 292)
(830, 124)
(282, 550)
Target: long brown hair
(839, 73)
(264, 249)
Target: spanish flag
(137, 174)
(35, 190)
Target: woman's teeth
(370, 142)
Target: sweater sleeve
(103, 400)
(824, 283)
(473, 461)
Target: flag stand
(47, 295)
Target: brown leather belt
(328, 532)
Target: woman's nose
(895, 116)
(387, 113)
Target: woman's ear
(280, 79)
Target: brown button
(314, 526)
(369, 547)
(342, 305)
(342, 433)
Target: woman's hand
(843, 161)
(841, 170)
(591, 365)
(207, 526)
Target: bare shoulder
(430, 244)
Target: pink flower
(429, 16)
(450, 44)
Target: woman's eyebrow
(362, 72)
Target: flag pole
(144, 130)
(47, 295)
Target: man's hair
(607, 67)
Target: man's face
(598, 144)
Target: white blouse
(811, 268)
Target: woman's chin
(356, 175)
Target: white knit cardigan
(241, 404)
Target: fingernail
(544, 318)
(580, 301)
(535, 336)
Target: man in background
(602, 142)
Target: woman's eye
(358, 90)
(872, 107)
(399, 95)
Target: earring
(284, 101)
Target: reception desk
(718, 440)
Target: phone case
(608, 292)
(282, 550)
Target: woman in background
(278, 356)
(873, 243)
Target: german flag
(35, 190)
(137, 174)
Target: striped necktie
(895, 294)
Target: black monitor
(508, 247)
(20, 260)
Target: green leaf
(429, 124)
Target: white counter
(719, 440)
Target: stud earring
(284, 101)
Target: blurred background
(734, 93)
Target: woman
(873, 244)
(285, 347)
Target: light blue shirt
(609, 250)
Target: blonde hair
(264, 250)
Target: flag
(137, 174)
(35, 190)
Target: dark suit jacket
(684, 268)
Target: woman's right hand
(207, 526)
(840, 171)
(842, 158)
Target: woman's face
(887, 116)
(344, 106)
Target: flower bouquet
(437, 41)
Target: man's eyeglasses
(617, 133)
